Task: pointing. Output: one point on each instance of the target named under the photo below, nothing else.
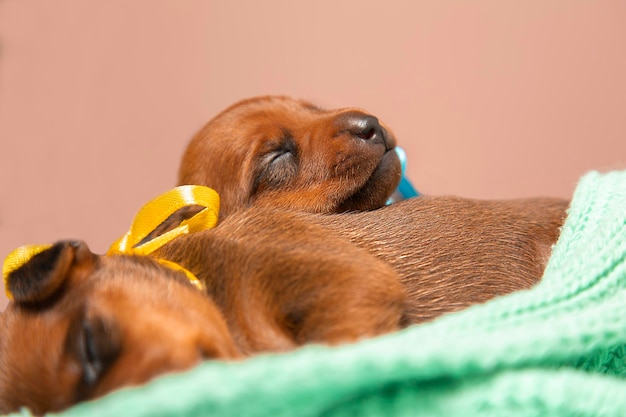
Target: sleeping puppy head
(276, 151)
(81, 325)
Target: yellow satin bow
(145, 222)
(157, 211)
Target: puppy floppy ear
(33, 274)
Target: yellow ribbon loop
(146, 221)
(16, 259)
(157, 211)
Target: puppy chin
(378, 187)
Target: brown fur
(448, 253)
(497, 246)
(82, 325)
(276, 151)
(276, 279)
(451, 253)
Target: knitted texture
(558, 349)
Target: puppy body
(283, 278)
(448, 253)
(451, 252)
(282, 281)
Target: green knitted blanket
(558, 349)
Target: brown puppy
(276, 151)
(82, 325)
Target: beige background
(489, 98)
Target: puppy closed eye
(277, 166)
(95, 343)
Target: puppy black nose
(363, 126)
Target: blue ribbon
(405, 189)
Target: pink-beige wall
(491, 99)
